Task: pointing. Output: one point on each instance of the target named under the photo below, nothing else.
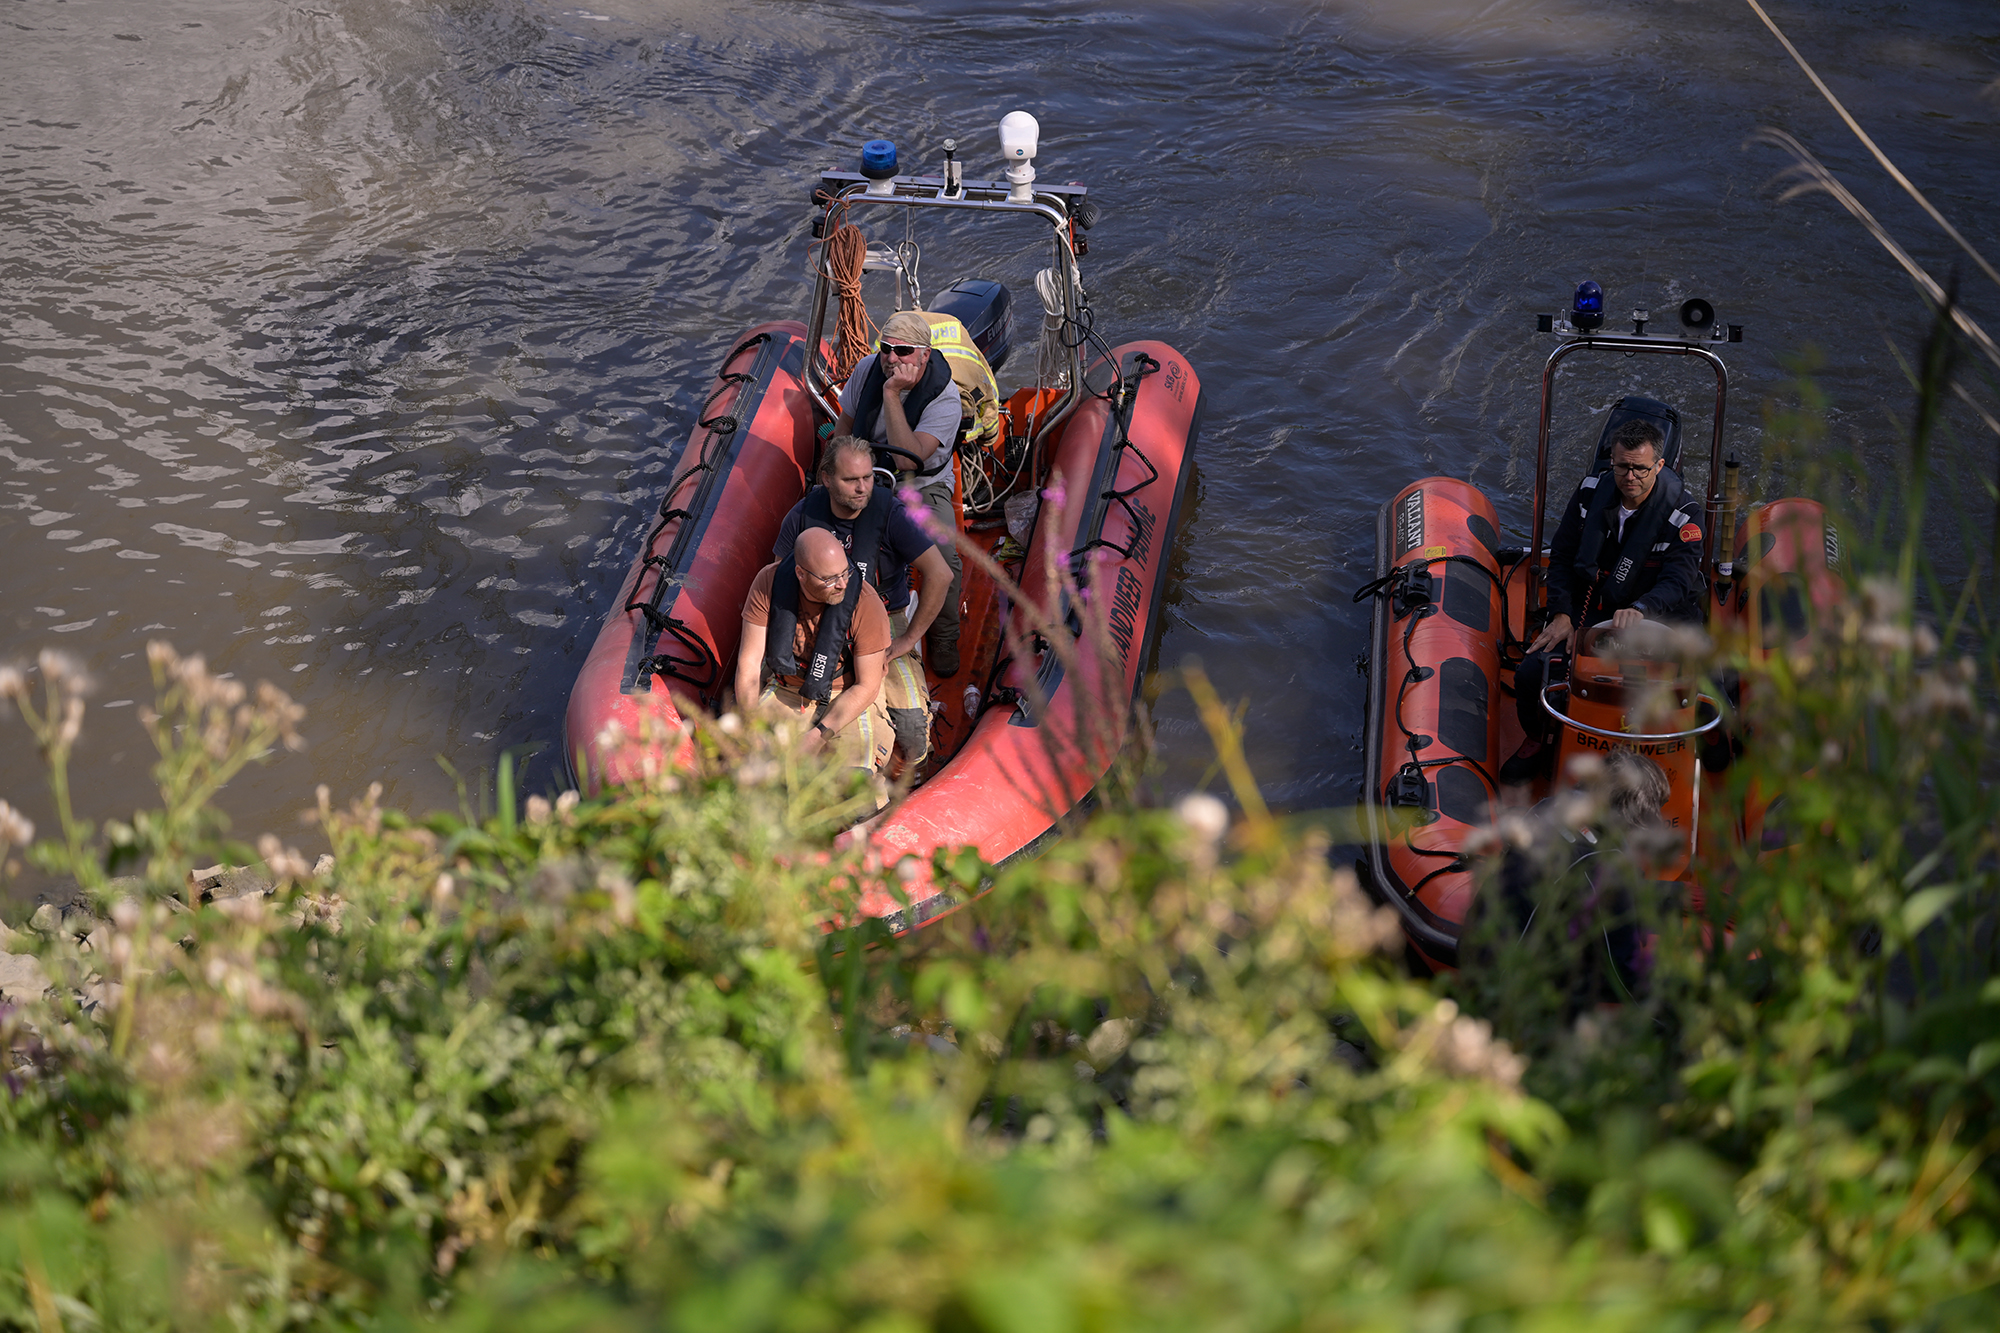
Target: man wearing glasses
(1625, 552)
(903, 397)
(821, 636)
(885, 544)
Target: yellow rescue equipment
(978, 391)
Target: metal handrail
(1644, 737)
(825, 393)
(978, 197)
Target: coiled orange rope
(846, 251)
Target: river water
(350, 341)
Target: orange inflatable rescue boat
(1073, 485)
(1454, 611)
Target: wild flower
(287, 863)
(63, 671)
(1207, 819)
(1464, 1047)
(922, 515)
(15, 828)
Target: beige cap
(907, 327)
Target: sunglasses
(901, 349)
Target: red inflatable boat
(1454, 610)
(1090, 461)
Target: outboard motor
(986, 309)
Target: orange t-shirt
(868, 632)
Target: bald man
(820, 636)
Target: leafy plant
(598, 1062)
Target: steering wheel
(901, 453)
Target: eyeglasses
(901, 349)
(1633, 469)
(827, 580)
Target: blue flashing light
(1588, 310)
(878, 159)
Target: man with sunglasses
(820, 636)
(1626, 551)
(903, 397)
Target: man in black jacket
(1628, 549)
(885, 544)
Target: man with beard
(884, 543)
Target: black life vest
(833, 649)
(865, 542)
(1662, 512)
(937, 377)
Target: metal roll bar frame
(1629, 344)
(1052, 204)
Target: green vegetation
(597, 1065)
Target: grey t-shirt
(939, 420)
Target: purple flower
(920, 514)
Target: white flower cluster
(1465, 1047)
(539, 813)
(222, 704)
(16, 829)
(67, 684)
(1207, 819)
(286, 863)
